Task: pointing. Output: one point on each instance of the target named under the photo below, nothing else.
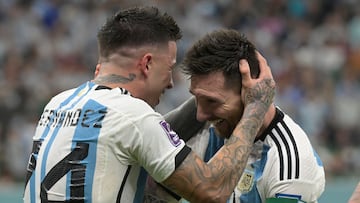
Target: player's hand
(261, 89)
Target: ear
(145, 64)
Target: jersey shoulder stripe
(287, 149)
(294, 145)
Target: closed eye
(207, 99)
(211, 101)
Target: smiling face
(160, 73)
(216, 102)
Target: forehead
(207, 79)
(172, 47)
(205, 84)
(172, 51)
(167, 51)
(213, 84)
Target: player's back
(74, 157)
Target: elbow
(209, 200)
(208, 197)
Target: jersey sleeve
(307, 187)
(161, 149)
(142, 137)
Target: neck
(115, 75)
(114, 80)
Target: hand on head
(261, 89)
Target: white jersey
(93, 143)
(281, 164)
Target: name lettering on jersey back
(70, 118)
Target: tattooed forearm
(257, 101)
(112, 78)
(149, 198)
(154, 193)
(217, 179)
(263, 92)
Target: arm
(214, 181)
(355, 197)
(155, 192)
(183, 120)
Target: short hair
(221, 50)
(135, 27)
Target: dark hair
(221, 50)
(135, 27)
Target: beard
(224, 129)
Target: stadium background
(313, 47)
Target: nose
(201, 114)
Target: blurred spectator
(313, 47)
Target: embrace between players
(243, 147)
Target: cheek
(170, 80)
(234, 112)
(164, 74)
(169, 75)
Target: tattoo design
(263, 92)
(219, 177)
(257, 101)
(155, 194)
(112, 78)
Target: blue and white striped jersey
(282, 163)
(92, 144)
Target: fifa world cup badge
(246, 181)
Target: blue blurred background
(313, 47)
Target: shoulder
(121, 101)
(288, 136)
(292, 165)
(291, 149)
(60, 97)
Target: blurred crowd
(313, 47)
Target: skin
(215, 103)
(355, 197)
(146, 73)
(220, 104)
(214, 181)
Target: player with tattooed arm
(97, 142)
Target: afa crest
(246, 181)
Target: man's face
(162, 65)
(220, 105)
